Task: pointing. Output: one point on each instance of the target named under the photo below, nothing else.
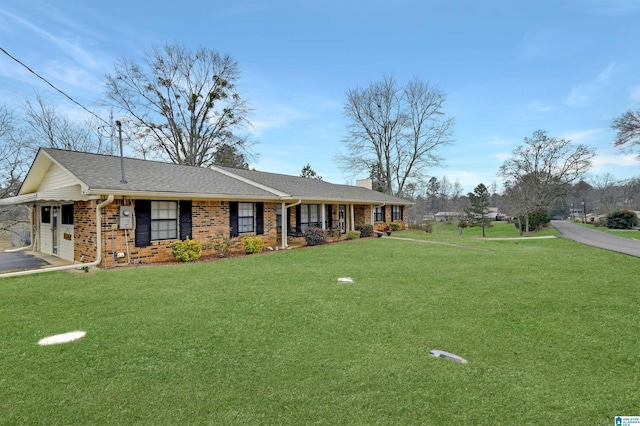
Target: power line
(50, 84)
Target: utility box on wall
(125, 217)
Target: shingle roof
(102, 172)
(315, 189)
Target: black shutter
(143, 223)
(185, 219)
(259, 218)
(233, 219)
(384, 214)
(329, 217)
(298, 215)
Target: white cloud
(583, 136)
(584, 94)
(615, 164)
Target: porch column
(352, 224)
(284, 225)
(323, 217)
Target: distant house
(82, 211)
(448, 216)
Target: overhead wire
(54, 87)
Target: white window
(164, 220)
(245, 217)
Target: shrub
(222, 244)
(428, 227)
(622, 219)
(365, 230)
(537, 220)
(187, 250)
(396, 226)
(253, 244)
(353, 235)
(315, 237)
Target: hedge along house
(101, 209)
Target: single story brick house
(93, 208)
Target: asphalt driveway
(598, 239)
(20, 261)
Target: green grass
(626, 233)
(449, 232)
(550, 329)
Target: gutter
(96, 262)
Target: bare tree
(47, 127)
(628, 131)
(395, 131)
(12, 163)
(543, 169)
(184, 102)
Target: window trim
(249, 220)
(164, 220)
(306, 210)
(379, 214)
(396, 212)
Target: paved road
(19, 261)
(598, 239)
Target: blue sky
(509, 67)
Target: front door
(342, 217)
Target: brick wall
(84, 231)
(210, 220)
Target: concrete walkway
(22, 261)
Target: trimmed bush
(353, 235)
(187, 250)
(622, 219)
(315, 237)
(396, 226)
(253, 244)
(537, 220)
(428, 227)
(365, 230)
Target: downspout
(284, 221)
(96, 262)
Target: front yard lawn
(549, 328)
